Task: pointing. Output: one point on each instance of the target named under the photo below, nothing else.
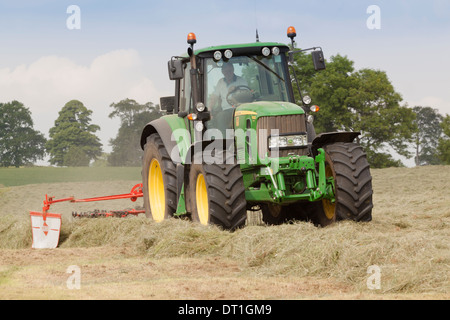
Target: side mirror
(318, 60)
(167, 103)
(176, 70)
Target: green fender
(174, 134)
(332, 137)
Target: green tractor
(235, 140)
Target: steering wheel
(231, 101)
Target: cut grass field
(136, 258)
(36, 175)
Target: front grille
(285, 125)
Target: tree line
(354, 100)
(365, 100)
(72, 140)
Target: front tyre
(158, 180)
(217, 196)
(348, 165)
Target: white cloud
(47, 84)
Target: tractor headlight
(306, 99)
(217, 55)
(290, 141)
(199, 126)
(275, 51)
(265, 51)
(200, 106)
(228, 54)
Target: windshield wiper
(266, 67)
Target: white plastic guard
(45, 231)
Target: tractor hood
(268, 108)
(262, 119)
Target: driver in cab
(226, 86)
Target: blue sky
(122, 47)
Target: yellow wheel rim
(328, 206)
(156, 191)
(201, 196)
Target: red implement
(136, 192)
(46, 226)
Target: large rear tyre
(217, 196)
(348, 165)
(158, 180)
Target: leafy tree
(20, 144)
(101, 161)
(426, 139)
(358, 100)
(444, 142)
(76, 157)
(126, 145)
(129, 111)
(330, 89)
(382, 160)
(72, 129)
(377, 113)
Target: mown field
(135, 258)
(10, 177)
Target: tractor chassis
(268, 183)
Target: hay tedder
(46, 226)
(235, 139)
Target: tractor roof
(241, 46)
(250, 48)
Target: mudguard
(165, 131)
(331, 137)
(195, 153)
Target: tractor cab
(258, 74)
(228, 77)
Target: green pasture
(10, 177)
